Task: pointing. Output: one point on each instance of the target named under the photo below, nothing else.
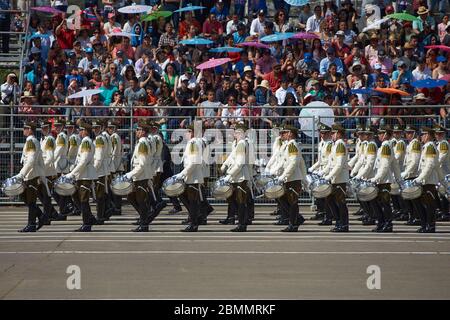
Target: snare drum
(262, 179)
(121, 186)
(13, 186)
(222, 189)
(410, 190)
(274, 189)
(173, 187)
(395, 189)
(65, 186)
(367, 191)
(320, 188)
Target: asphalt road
(214, 263)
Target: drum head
(173, 187)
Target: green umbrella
(402, 16)
(156, 15)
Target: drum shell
(320, 188)
(222, 190)
(64, 186)
(274, 189)
(13, 187)
(366, 191)
(173, 187)
(410, 190)
(121, 186)
(262, 179)
(395, 189)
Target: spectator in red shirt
(65, 36)
(274, 78)
(186, 24)
(212, 25)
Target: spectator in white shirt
(257, 27)
(313, 22)
(421, 72)
(281, 92)
(231, 112)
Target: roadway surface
(214, 263)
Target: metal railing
(12, 139)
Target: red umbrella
(211, 63)
(306, 36)
(254, 44)
(392, 91)
(440, 47)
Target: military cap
(385, 129)
(70, 123)
(59, 122)
(85, 126)
(324, 128)
(153, 124)
(241, 126)
(45, 124)
(97, 123)
(425, 130)
(111, 123)
(410, 128)
(29, 125)
(337, 127)
(190, 127)
(142, 125)
(397, 128)
(438, 129)
(370, 130)
(290, 128)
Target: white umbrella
(310, 115)
(122, 34)
(135, 8)
(375, 25)
(84, 93)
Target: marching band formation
(393, 177)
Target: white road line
(238, 252)
(216, 240)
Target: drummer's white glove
(180, 176)
(223, 168)
(373, 180)
(310, 170)
(403, 175)
(128, 175)
(418, 181)
(266, 171)
(319, 173)
(227, 178)
(281, 179)
(327, 177)
(18, 176)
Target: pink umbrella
(211, 63)
(305, 35)
(446, 77)
(254, 44)
(440, 47)
(47, 9)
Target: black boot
(186, 221)
(141, 228)
(300, 220)
(413, 222)
(191, 228)
(58, 217)
(378, 228)
(239, 228)
(137, 222)
(282, 222)
(325, 222)
(28, 228)
(387, 227)
(84, 228)
(318, 216)
(369, 222)
(227, 221)
(290, 228)
(430, 229)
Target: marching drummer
(274, 158)
(74, 144)
(109, 204)
(410, 172)
(442, 146)
(336, 172)
(366, 172)
(32, 170)
(359, 132)
(294, 171)
(238, 174)
(324, 150)
(399, 147)
(140, 174)
(383, 177)
(157, 144)
(48, 155)
(84, 173)
(116, 167)
(192, 174)
(428, 177)
(101, 165)
(61, 163)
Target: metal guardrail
(11, 139)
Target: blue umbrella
(297, 3)
(196, 41)
(37, 35)
(225, 49)
(429, 83)
(361, 91)
(278, 37)
(190, 8)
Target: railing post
(313, 150)
(11, 141)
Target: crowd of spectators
(143, 74)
